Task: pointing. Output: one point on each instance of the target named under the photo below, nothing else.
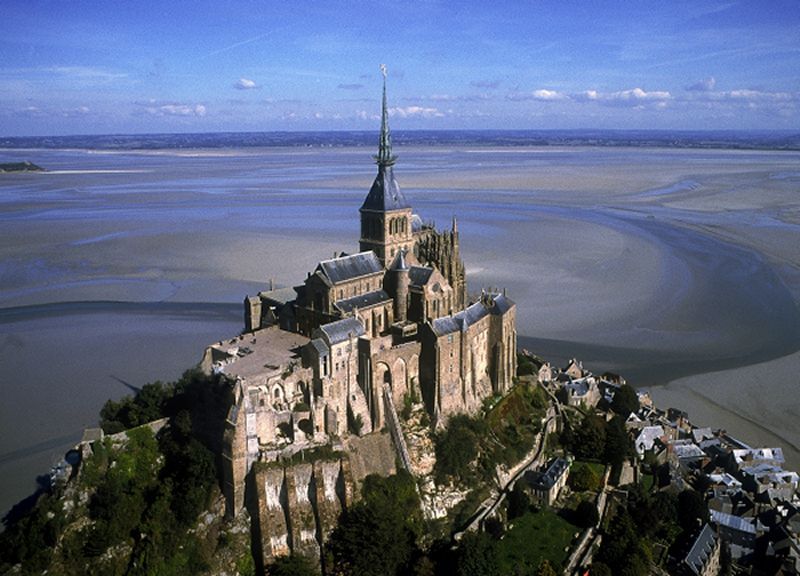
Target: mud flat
(677, 268)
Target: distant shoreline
(677, 139)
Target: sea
(652, 254)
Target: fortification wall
(297, 506)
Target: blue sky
(77, 67)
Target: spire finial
(384, 157)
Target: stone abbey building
(330, 359)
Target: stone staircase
(393, 423)
(357, 403)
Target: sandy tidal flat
(661, 264)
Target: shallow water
(653, 263)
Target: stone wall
(298, 506)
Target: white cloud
(364, 115)
(757, 95)
(638, 94)
(415, 112)
(542, 95)
(634, 96)
(548, 95)
(245, 84)
(706, 85)
(198, 110)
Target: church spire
(384, 157)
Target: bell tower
(385, 213)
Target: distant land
(20, 167)
(724, 139)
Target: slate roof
(341, 330)
(687, 451)
(279, 296)
(701, 550)
(362, 301)
(548, 478)
(502, 304)
(399, 262)
(733, 522)
(470, 315)
(460, 321)
(385, 194)
(747, 456)
(345, 268)
(419, 275)
(320, 346)
(647, 438)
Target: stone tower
(385, 213)
(397, 285)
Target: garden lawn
(534, 537)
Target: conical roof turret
(399, 263)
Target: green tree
(292, 565)
(692, 510)
(518, 501)
(377, 536)
(586, 514)
(477, 556)
(590, 437)
(600, 569)
(457, 448)
(625, 401)
(621, 548)
(546, 569)
(582, 478)
(618, 446)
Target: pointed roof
(385, 157)
(399, 262)
(385, 194)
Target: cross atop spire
(385, 157)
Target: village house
(545, 484)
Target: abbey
(330, 359)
